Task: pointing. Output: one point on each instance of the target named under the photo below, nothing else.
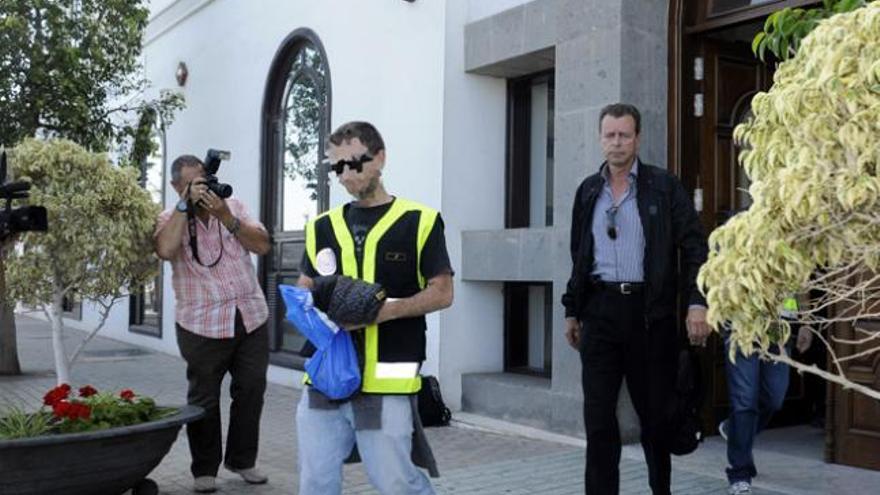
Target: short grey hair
(183, 161)
(618, 110)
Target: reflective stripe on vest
(379, 377)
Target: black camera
(15, 220)
(212, 164)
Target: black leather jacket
(671, 227)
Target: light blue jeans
(326, 436)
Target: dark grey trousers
(246, 358)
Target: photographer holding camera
(221, 314)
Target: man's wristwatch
(235, 227)
(182, 206)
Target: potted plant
(87, 443)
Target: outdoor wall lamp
(181, 74)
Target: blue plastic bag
(333, 369)
(308, 319)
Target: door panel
(290, 247)
(855, 427)
(732, 77)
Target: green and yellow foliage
(101, 222)
(812, 152)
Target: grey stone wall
(602, 51)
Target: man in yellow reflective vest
(399, 244)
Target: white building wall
(386, 66)
(474, 109)
(158, 6)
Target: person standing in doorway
(630, 221)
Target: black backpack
(432, 410)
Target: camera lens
(222, 190)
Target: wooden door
(731, 77)
(853, 419)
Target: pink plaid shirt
(208, 297)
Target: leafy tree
(100, 237)
(70, 69)
(811, 152)
(785, 29)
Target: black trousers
(616, 343)
(246, 358)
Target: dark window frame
(270, 268)
(136, 298)
(518, 215)
(518, 149)
(516, 329)
(71, 307)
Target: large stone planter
(106, 462)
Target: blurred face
(360, 184)
(187, 175)
(620, 143)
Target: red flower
(79, 411)
(87, 391)
(71, 410)
(57, 394)
(61, 408)
(127, 394)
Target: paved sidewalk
(471, 460)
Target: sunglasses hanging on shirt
(611, 222)
(355, 164)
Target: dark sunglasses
(611, 222)
(356, 164)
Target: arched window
(296, 123)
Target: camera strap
(194, 241)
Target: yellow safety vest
(378, 377)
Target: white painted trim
(171, 16)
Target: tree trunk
(9, 364)
(62, 370)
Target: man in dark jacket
(630, 223)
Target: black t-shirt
(435, 257)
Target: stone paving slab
(471, 461)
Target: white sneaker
(205, 484)
(740, 488)
(722, 429)
(251, 475)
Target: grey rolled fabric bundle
(348, 300)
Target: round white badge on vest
(325, 262)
